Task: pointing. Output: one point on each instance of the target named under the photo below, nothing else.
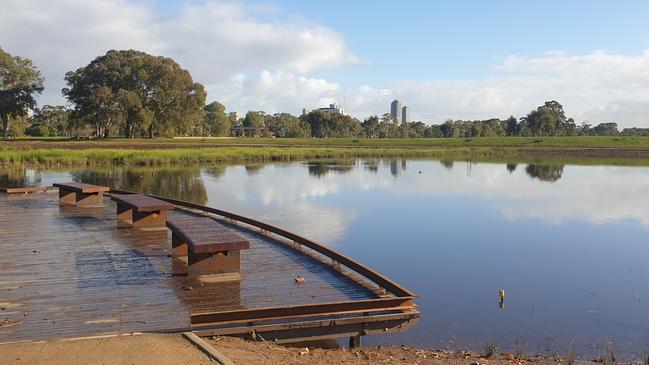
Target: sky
(444, 59)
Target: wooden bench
(210, 247)
(27, 190)
(141, 211)
(81, 195)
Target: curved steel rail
(374, 276)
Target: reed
(107, 156)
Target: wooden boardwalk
(70, 272)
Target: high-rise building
(405, 114)
(395, 110)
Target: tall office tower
(395, 110)
(405, 114)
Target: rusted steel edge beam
(208, 349)
(376, 277)
(320, 309)
(324, 328)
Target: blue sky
(445, 59)
(462, 39)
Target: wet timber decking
(70, 272)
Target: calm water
(568, 244)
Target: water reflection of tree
(371, 166)
(322, 168)
(545, 172)
(511, 167)
(397, 167)
(182, 183)
(447, 164)
(253, 169)
(16, 177)
(216, 170)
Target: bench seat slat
(82, 187)
(142, 203)
(204, 235)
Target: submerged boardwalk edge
(73, 273)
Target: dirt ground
(122, 350)
(173, 349)
(263, 353)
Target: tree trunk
(5, 126)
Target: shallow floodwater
(568, 244)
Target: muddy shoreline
(174, 349)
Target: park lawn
(226, 150)
(546, 142)
(521, 142)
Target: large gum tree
(20, 81)
(134, 94)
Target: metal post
(355, 342)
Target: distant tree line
(133, 94)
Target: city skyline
(280, 56)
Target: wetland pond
(569, 244)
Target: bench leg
(92, 200)
(150, 220)
(83, 200)
(124, 216)
(178, 256)
(214, 263)
(67, 198)
(178, 246)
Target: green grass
(219, 155)
(144, 152)
(545, 142)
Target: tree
(136, 93)
(327, 125)
(547, 120)
(605, 129)
(50, 121)
(448, 129)
(287, 125)
(511, 126)
(371, 126)
(216, 120)
(254, 120)
(20, 81)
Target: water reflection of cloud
(289, 194)
(284, 194)
(597, 194)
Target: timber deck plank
(69, 272)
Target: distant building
(395, 110)
(332, 109)
(405, 115)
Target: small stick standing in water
(501, 294)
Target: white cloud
(273, 92)
(597, 87)
(214, 39)
(253, 56)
